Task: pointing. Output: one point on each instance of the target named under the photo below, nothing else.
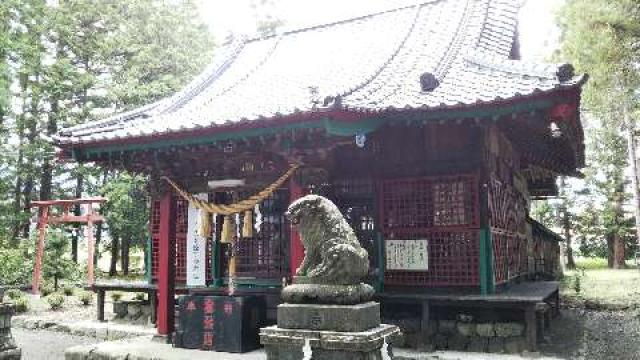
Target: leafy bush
(16, 265)
(86, 297)
(139, 296)
(21, 304)
(116, 296)
(55, 300)
(56, 266)
(46, 289)
(13, 294)
(68, 290)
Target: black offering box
(219, 323)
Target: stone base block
(351, 318)
(13, 354)
(303, 293)
(291, 344)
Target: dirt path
(46, 345)
(599, 335)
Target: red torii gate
(66, 217)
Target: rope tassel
(247, 228)
(205, 224)
(227, 230)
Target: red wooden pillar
(296, 248)
(166, 265)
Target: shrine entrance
(60, 212)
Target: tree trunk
(17, 189)
(76, 211)
(98, 238)
(618, 253)
(46, 177)
(96, 254)
(610, 250)
(566, 224)
(29, 183)
(631, 146)
(124, 256)
(113, 271)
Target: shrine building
(420, 122)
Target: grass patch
(603, 285)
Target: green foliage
(68, 290)
(46, 289)
(116, 296)
(139, 296)
(55, 301)
(85, 297)
(70, 62)
(21, 304)
(164, 45)
(55, 265)
(591, 263)
(13, 294)
(543, 212)
(601, 37)
(13, 268)
(126, 211)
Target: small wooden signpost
(46, 217)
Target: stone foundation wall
(133, 310)
(465, 335)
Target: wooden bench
(536, 300)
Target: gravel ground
(46, 345)
(601, 335)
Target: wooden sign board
(407, 255)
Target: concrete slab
(144, 348)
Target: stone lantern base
(8, 348)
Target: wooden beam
(97, 200)
(166, 265)
(84, 219)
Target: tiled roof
(371, 64)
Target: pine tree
(604, 44)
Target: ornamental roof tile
(370, 63)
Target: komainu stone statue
(327, 312)
(334, 264)
(333, 254)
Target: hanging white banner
(196, 247)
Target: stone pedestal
(329, 332)
(8, 348)
(292, 344)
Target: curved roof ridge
(418, 3)
(500, 26)
(561, 72)
(368, 80)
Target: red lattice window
(454, 257)
(181, 218)
(444, 211)
(264, 254)
(154, 230)
(499, 257)
(509, 256)
(430, 202)
(182, 209)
